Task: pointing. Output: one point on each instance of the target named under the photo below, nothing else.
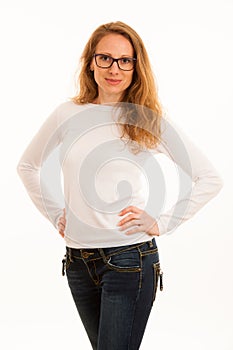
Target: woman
(108, 132)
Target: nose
(114, 69)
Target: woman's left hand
(139, 218)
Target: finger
(128, 218)
(61, 225)
(129, 224)
(154, 234)
(134, 230)
(131, 208)
(61, 229)
(62, 220)
(61, 233)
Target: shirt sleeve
(31, 162)
(205, 181)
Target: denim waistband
(95, 253)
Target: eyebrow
(109, 54)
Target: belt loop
(103, 255)
(151, 244)
(70, 254)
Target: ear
(92, 66)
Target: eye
(104, 58)
(126, 60)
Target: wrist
(154, 231)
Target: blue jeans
(114, 290)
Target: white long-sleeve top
(101, 176)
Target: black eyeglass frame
(115, 60)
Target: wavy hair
(142, 110)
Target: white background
(190, 46)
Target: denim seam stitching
(98, 280)
(80, 258)
(156, 268)
(89, 272)
(136, 300)
(140, 281)
(124, 250)
(123, 269)
(148, 252)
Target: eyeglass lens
(105, 61)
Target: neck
(106, 99)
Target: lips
(113, 81)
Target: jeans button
(86, 255)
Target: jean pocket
(127, 261)
(158, 278)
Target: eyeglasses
(105, 61)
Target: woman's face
(113, 81)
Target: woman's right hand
(62, 223)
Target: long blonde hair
(143, 121)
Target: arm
(205, 181)
(31, 162)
